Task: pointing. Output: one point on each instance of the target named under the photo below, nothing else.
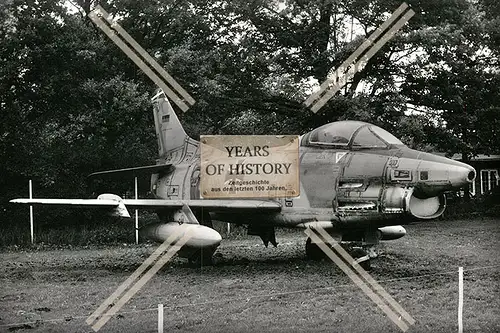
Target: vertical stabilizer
(173, 143)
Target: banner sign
(249, 166)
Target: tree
(64, 114)
(456, 83)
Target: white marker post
(460, 298)
(160, 318)
(136, 215)
(31, 213)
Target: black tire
(313, 252)
(366, 265)
(358, 253)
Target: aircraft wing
(119, 206)
(107, 201)
(215, 205)
(95, 203)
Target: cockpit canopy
(350, 135)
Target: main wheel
(313, 251)
(360, 253)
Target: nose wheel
(314, 252)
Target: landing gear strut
(314, 252)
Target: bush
(97, 229)
(484, 205)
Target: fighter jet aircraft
(357, 181)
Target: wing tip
(18, 201)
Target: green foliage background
(72, 103)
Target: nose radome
(461, 175)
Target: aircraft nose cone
(461, 175)
(438, 174)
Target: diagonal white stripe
(147, 57)
(377, 287)
(152, 258)
(142, 281)
(131, 54)
(339, 71)
(360, 64)
(357, 280)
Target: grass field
(254, 289)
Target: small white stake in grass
(136, 215)
(31, 213)
(460, 297)
(160, 318)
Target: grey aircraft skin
(357, 181)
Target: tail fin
(173, 142)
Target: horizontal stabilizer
(139, 171)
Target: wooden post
(136, 215)
(460, 298)
(160, 318)
(31, 213)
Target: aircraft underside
(353, 235)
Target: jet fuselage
(343, 188)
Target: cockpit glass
(386, 136)
(366, 139)
(338, 134)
